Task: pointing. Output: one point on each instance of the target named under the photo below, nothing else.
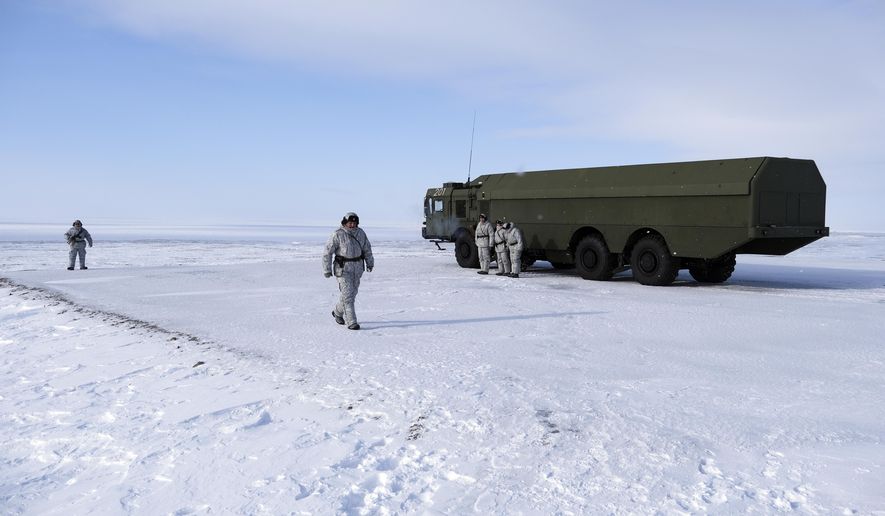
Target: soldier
(485, 236)
(514, 245)
(77, 238)
(349, 250)
(503, 256)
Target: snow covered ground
(205, 375)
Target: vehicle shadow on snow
(760, 276)
(795, 277)
(446, 322)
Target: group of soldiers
(348, 253)
(507, 241)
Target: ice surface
(203, 375)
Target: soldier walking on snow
(503, 256)
(514, 245)
(77, 238)
(348, 253)
(485, 236)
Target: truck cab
(450, 215)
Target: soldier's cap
(77, 223)
(350, 217)
(482, 216)
(499, 223)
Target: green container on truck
(654, 219)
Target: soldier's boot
(70, 268)
(482, 272)
(83, 268)
(338, 318)
(354, 326)
(514, 275)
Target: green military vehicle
(654, 219)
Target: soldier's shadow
(447, 322)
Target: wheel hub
(648, 262)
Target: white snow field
(206, 376)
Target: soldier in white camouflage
(515, 246)
(484, 238)
(501, 253)
(348, 253)
(77, 237)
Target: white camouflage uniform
(349, 244)
(77, 237)
(503, 255)
(514, 245)
(485, 236)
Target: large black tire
(593, 259)
(651, 262)
(465, 252)
(713, 271)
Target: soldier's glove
(369, 269)
(327, 274)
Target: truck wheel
(713, 271)
(465, 252)
(651, 262)
(593, 259)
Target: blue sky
(274, 111)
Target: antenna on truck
(470, 161)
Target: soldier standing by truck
(348, 253)
(77, 238)
(514, 245)
(503, 256)
(485, 236)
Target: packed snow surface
(202, 373)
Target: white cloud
(791, 78)
(403, 39)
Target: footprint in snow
(550, 428)
(708, 467)
(772, 464)
(416, 429)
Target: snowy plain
(199, 371)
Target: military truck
(654, 219)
